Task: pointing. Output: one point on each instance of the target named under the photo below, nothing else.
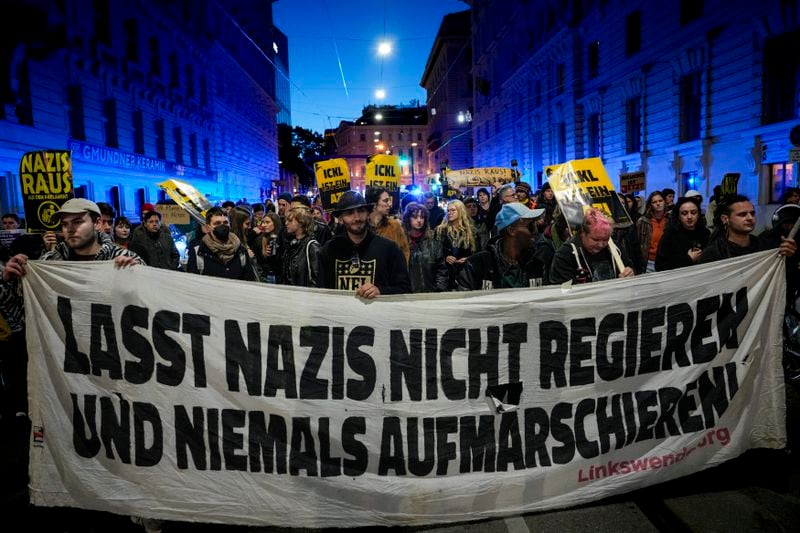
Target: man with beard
(509, 262)
(588, 256)
(738, 218)
(359, 260)
(220, 253)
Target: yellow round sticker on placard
(46, 211)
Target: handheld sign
(188, 198)
(480, 177)
(630, 182)
(46, 178)
(384, 171)
(173, 214)
(333, 179)
(581, 184)
(730, 183)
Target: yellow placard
(730, 183)
(188, 198)
(46, 180)
(384, 171)
(479, 177)
(333, 179)
(581, 184)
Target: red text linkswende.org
(654, 462)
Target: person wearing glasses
(359, 260)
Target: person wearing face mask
(685, 237)
(220, 253)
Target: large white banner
(179, 397)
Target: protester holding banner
(426, 267)
(80, 226)
(357, 259)
(510, 261)
(380, 221)
(737, 217)
(651, 227)
(685, 237)
(591, 255)
(299, 265)
(219, 252)
(458, 240)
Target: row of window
(77, 131)
(363, 136)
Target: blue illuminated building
(142, 91)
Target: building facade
(448, 84)
(686, 91)
(142, 91)
(389, 129)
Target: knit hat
(285, 196)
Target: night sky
(316, 28)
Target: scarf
(224, 251)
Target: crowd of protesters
(511, 238)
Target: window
(161, 140)
(110, 123)
(155, 56)
(633, 125)
(75, 112)
(102, 21)
(138, 132)
(419, 136)
(206, 155)
(131, 40)
(189, 73)
(419, 152)
(594, 135)
(781, 176)
(174, 71)
(633, 33)
(362, 137)
(537, 93)
(689, 181)
(781, 75)
(24, 104)
(691, 10)
(178, 137)
(561, 74)
(593, 59)
(193, 149)
(562, 142)
(203, 91)
(690, 107)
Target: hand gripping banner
(153, 398)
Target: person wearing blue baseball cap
(509, 262)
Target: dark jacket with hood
(346, 266)
(490, 270)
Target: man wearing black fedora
(359, 260)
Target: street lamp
(413, 146)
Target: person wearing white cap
(509, 262)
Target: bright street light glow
(384, 48)
(380, 94)
(378, 117)
(377, 133)
(461, 118)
